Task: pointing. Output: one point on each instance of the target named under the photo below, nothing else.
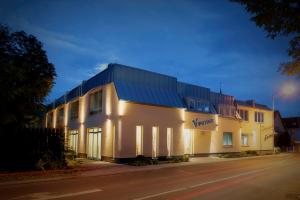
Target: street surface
(266, 177)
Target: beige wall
(227, 124)
(118, 121)
(260, 134)
(149, 116)
(203, 137)
(104, 120)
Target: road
(267, 177)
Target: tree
(26, 77)
(279, 17)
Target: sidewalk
(99, 168)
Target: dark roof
(146, 87)
(291, 122)
(132, 84)
(252, 103)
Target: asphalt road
(268, 177)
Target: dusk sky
(199, 42)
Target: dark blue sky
(199, 42)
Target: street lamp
(287, 90)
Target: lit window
(227, 139)
(155, 141)
(95, 105)
(139, 140)
(244, 139)
(169, 141)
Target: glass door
(188, 141)
(94, 143)
(74, 140)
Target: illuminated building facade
(123, 112)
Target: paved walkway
(89, 168)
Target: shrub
(31, 148)
(186, 158)
(251, 152)
(277, 150)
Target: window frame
(72, 116)
(92, 108)
(244, 114)
(242, 140)
(225, 143)
(59, 117)
(259, 117)
(139, 141)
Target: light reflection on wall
(54, 118)
(119, 135)
(46, 121)
(217, 122)
(240, 138)
(182, 112)
(82, 105)
(108, 101)
(121, 108)
(66, 117)
(81, 138)
(108, 132)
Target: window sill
(227, 146)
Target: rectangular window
(188, 141)
(74, 110)
(244, 114)
(139, 140)
(227, 139)
(155, 141)
(74, 140)
(95, 102)
(221, 111)
(94, 143)
(245, 140)
(259, 117)
(192, 104)
(169, 141)
(60, 118)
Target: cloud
(100, 67)
(61, 40)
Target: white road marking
(48, 195)
(160, 194)
(227, 178)
(201, 184)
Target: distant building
(292, 124)
(281, 137)
(123, 112)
